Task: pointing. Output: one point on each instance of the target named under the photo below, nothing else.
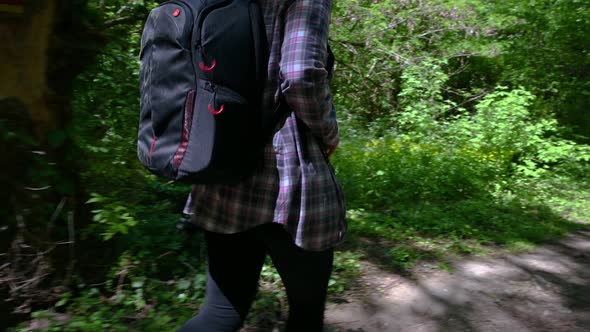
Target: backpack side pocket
(166, 78)
(222, 140)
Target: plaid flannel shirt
(296, 185)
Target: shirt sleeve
(304, 77)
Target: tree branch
(121, 20)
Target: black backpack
(203, 66)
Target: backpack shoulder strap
(260, 42)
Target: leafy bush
(450, 142)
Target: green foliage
(463, 177)
(377, 42)
(381, 173)
(452, 115)
(346, 269)
(113, 217)
(547, 46)
(421, 98)
(404, 257)
(141, 307)
(140, 303)
(105, 107)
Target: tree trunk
(40, 55)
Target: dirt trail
(547, 289)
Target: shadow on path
(547, 289)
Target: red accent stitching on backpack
(206, 68)
(153, 146)
(186, 128)
(176, 12)
(213, 111)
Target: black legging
(235, 262)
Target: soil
(547, 289)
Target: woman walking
(292, 208)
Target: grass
(160, 294)
(414, 232)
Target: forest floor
(546, 289)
